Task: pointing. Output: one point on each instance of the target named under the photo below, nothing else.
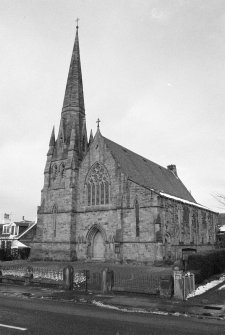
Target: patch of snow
(203, 288)
(221, 287)
(159, 312)
(100, 304)
(183, 201)
(133, 310)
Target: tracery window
(98, 186)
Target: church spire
(74, 98)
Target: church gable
(98, 181)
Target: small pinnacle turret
(51, 142)
(52, 139)
(91, 138)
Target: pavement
(211, 304)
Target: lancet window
(54, 216)
(62, 170)
(136, 206)
(98, 186)
(54, 171)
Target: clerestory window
(97, 186)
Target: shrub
(207, 264)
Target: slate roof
(147, 173)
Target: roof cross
(98, 121)
(77, 20)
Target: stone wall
(186, 226)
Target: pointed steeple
(74, 98)
(91, 139)
(52, 139)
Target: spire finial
(98, 121)
(77, 20)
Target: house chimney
(173, 168)
(23, 218)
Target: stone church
(101, 201)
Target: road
(41, 317)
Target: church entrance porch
(96, 243)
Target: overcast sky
(153, 72)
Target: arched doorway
(98, 251)
(96, 238)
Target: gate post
(68, 277)
(178, 284)
(107, 280)
(29, 275)
(104, 281)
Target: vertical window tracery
(98, 186)
(62, 170)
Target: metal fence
(140, 283)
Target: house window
(6, 229)
(12, 230)
(136, 207)
(98, 186)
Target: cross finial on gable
(98, 121)
(77, 20)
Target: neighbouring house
(101, 201)
(5, 218)
(220, 234)
(11, 233)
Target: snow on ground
(203, 288)
(221, 287)
(133, 310)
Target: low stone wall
(43, 276)
(105, 280)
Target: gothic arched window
(136, 206)
(98, 186)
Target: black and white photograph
(112, 187)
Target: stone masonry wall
(186, 226)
